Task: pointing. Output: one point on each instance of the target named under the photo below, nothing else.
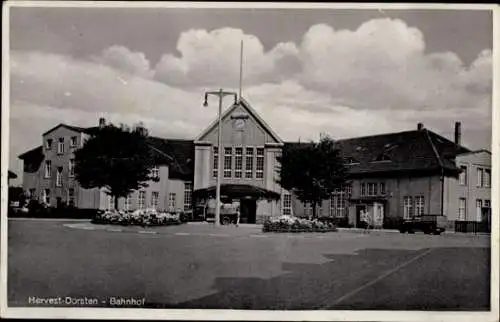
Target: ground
(201, 266)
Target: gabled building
(393, 176)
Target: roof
(38, 151)
(242, 102)
(401, 151)
(182, 154)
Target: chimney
(102, 122)
(420, 126)
(458, 133)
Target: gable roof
(406, 151)
(243, 103)
(181, 153)
(35, 152)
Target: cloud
(375, 79)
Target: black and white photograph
(249, 161)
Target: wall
(470, 191)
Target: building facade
(392, 176)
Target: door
(248, 210)
(359, 208)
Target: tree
(312, 171)
(119, 159)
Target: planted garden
(290, 224)
(148, 217)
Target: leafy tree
(116, 158)
(312, 171)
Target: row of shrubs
(145, 218)
(295, 225)
(35, 209)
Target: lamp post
(221, 94)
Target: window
(228, 162)
(73, 141)
(216, 161)
(60, 146)
(462, 209)
(59, 177)
(48, 144)
(487, 178)
(128, 201)
(142, 199)
(171, 202)
(287, 204)
(71, 167)
(155, 173)
(479, 177)
(348, 189)
(319, 213)
(372, 189)
(363, 189)
(249, 163)
(479, 209)
(462, 178)
(71, 197)
(188, 190)
(46, 196)
(48, 169)
(382, 188)
(419, 205)
(259, 171)
(338, 205)
(111, 202)
(307, 209)
(487, 203)
(238, 162)
(155, 196)
(32, 193)
(407, 207)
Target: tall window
(287, 204)
(487, 178)
(249, 163)
(382, 188)
(238, 162)
(59, 176)
(462, 178)
(48, 169)
(319, 212)
(71, 197)
(407, 207)
(60, 146)
(479, 177)
(46, 196)
(259, 170)
(155, 196)
(372, 189)
(363, 189)
(228, 162)
(487, 203)
(71, 167)
(307, 209)
(188, 191)
(462, 209)
(216, 161)
(111, 202)
(142, 199)
(171, 202)
(128, 202)
(338, 205)
(479, 209)
(419, 205)
(72, 142)
(48, 144)
(155, 173)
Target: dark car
(428, 224)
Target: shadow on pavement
(444, 279)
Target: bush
(149, 217)
(294, 224)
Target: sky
(347, 73)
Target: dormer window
(155, 173)
(48, 144)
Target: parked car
(428, 224)
(228, 213)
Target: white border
(135, 314)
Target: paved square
(201, 266)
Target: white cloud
(377, 78)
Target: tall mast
(241, 70)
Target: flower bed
(289, 224)
(149, 217)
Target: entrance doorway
(248, 211)
(359, 208)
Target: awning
(237, 191)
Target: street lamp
(221, 94)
